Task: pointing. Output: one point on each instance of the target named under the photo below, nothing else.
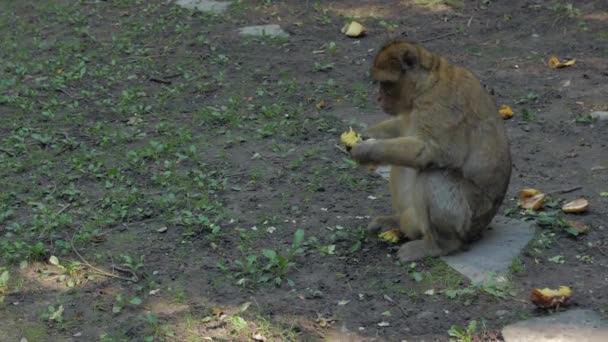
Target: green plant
(497, 286)
(279, 265)
(463, 335)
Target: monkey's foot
(383, 222)
(416, 250)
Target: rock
(574, 325)
(272, 30)
(495, 251)
(600, 116)
(209, 6)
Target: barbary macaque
(446, 145)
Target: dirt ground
(156, 144)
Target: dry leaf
(353, 29)
(506, 112)
(577, 206)
(321, 105)
(391, 236)
(555, 63)
(549, 298)
(581, 227)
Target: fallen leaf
(579, 226)
(429, 292)
(506, 112)
(353, 29)
(528, 192)
(577, 206)
(134, 120)
(391, 236)
(321, 105)
(384, 324)
(343, 302)
(549, 298)
(258, 337)
(603, 194)
(162, 229)
(555, 63)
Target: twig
(160, 80)
(564, 191)
(342, 149)
(134, 279)
(470, 20)
(63, 209)
(439, 37)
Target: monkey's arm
(404, 151)
(385, 129)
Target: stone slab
(209, 6)
(569, 326)
(494, 253)
(272, 30)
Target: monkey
(446, 145)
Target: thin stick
(342, 149)
(564, 191)
(135, 279)
(439, 37)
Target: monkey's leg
(385, 129)
(409, 225)
(443, 216)
(380, 222)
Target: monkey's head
(398, 68)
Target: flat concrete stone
(569, 326)
(501, 242)
(215, 7)
(600, 116)
(272, 30)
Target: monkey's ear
(408, 60)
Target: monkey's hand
(362, 152)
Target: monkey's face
(388, 97)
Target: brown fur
(447, 146)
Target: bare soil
(177, 122)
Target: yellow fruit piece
(555, 63)
(392, 236)
(577, 206)
(353, 29)
(350, 138)
(506, 112)
(535, 202)
(528, 192)
(549, 298)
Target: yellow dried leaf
(555, 63)
(577, 206)
(350, 138)
(391, 236)
(353, 29)
(549, 298)
(321, 105)
(506, 112)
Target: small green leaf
(116, 309)
(298, 237)
(572, 231)
(269, 253)
(604, 194)
(135, 301)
